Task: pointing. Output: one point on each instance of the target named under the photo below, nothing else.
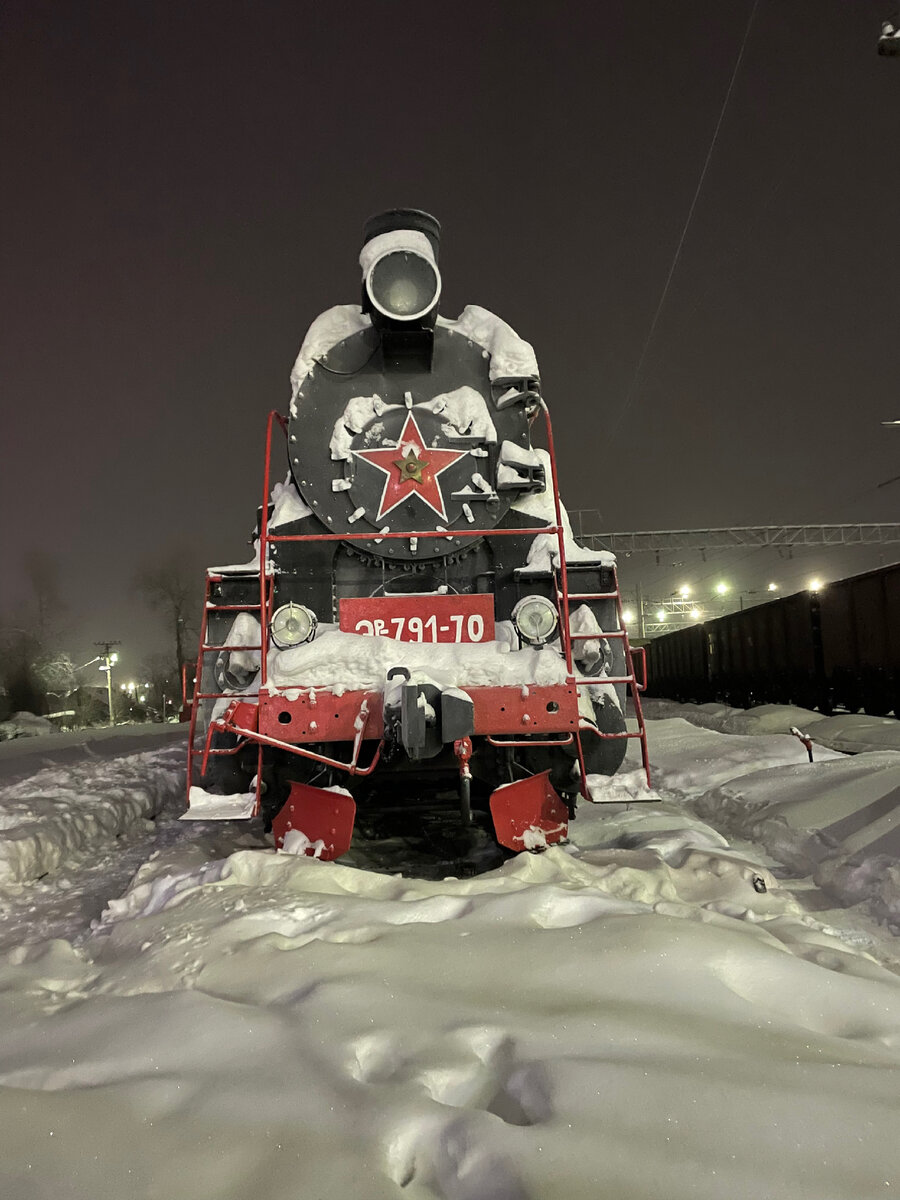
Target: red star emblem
(411, 469)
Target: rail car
(838, 647)
(418, 633)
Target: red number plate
(421, 618)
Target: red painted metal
(498, 711)
(239, 713)
(525, 743)
(204, 649)
(222, 695)
(232, 607)
(352, 767)
(198, 674)
(187, 705)
(565, 633)
(642, 651)
(462, 748)
(185, 669)
(265, 598)
(321, 716)
(805, 739)
(227, 646)
(525, 709)
(529, 814)
(325, 817)
(437, 618)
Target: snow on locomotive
(419, 631)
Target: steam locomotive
(418, 632)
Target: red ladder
(206, 647)
(629, 679)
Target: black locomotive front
(418, 630)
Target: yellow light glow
(721, 588)
(815, 585)
(696, 614)
(773, 587)
(684, 591)
(660, 614)
(627, 616)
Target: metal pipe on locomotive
(419, 630)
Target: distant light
(684, 591)
(121, 687)
(114, 658)
(721, 588)
(815, 585)
(696, 614)
(661, 614)
(627, 616)
(773, 587)
(143, 698)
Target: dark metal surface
(355, 368)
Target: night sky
(183, 188)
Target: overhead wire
(731, 562)
(684, 232)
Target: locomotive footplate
(320, 715)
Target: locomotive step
(593, 595)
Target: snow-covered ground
(657, 1009)
(851, 733)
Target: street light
(721, 588)
(107, 659)
(684, 591)
(773, 587)
(815, 585)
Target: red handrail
(266, 595)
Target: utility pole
(108, 660)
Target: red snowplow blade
(529, 814)
(326, 818)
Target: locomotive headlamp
(403, 284)
(292, 624)
(535, 619)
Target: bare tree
(57, 673)
(164, 680)
(31, 665)
(42, 570)
(24, 690)
(169, 588)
